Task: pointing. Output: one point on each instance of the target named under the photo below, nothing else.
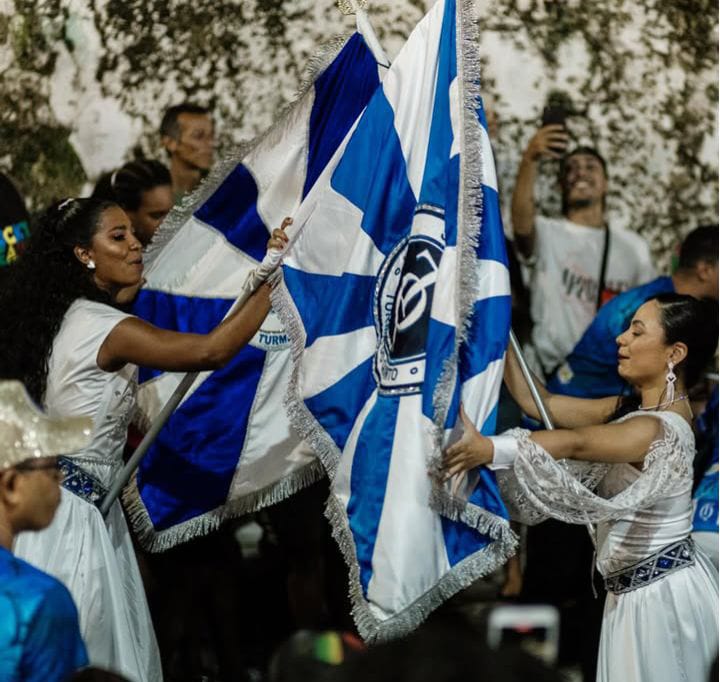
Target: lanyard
(603, 267)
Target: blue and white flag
(396, 297)
(229, 448)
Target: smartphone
(553, 114)
(533, 628)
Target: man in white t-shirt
(576, 262)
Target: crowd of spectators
(577, 280)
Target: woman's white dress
(662, 631)
(92, 556)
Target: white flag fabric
(397, 302)
(229, 448)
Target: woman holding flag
(78, 354)
(660, 619)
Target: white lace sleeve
(538, 486)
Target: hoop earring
(90, 265)
(670, 380)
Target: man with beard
(576, 262)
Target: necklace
(665, 404)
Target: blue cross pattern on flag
(396, 298)
(229, 448)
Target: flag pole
(255, 279)
(542, 409)
(527, 375)
(132, 464)
(364, 26)
(365, 29)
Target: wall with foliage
(83, 84)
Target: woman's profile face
(155, 204)
(642, 351)
(116, 251)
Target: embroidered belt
(80, 482)
(664, 562)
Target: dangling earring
(670, 379)
(90, 265)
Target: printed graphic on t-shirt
(578, 285)
(13, 241)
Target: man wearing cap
(39, 631)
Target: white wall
(99, 74)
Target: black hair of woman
(125, 185)
(41, 286)
(688, 320)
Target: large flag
(396, 297)
(229, 447)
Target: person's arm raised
(548, 142)
(565, 411)
(136, 341)
(139, 342)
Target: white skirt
(664, 632)
(97, 564)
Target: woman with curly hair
(632, 477)
(77, 353)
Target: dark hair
(590, 151)
(443, 653)
(169, 125)
(700, 245)
(126, 185)
(688, 320)
(311, 655)
(41, 286)
(12, 206)
(693, 322)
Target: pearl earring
(90, 265)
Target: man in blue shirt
(705, 496)
(39, 631)
(590, 371)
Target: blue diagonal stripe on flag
(410, 210)
(229, 447)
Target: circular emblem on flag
(403, 300)
(706, 511)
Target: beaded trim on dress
(80, 482)
(664, 562)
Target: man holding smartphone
(577, 262)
